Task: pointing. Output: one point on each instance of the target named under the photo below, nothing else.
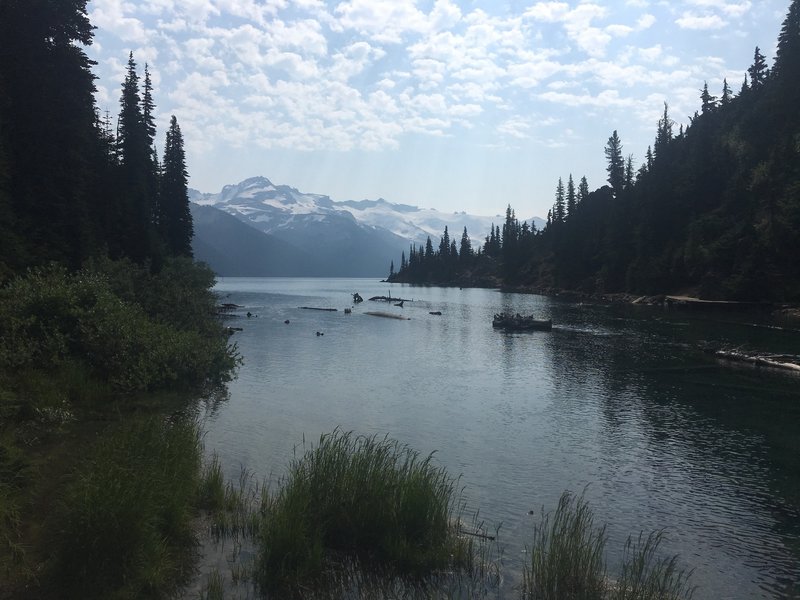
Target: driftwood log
(773, 361)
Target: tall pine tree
(175, 219)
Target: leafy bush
(133, 329)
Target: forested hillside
(713, 209)
(72, 185)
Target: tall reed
(124, 522)
(567, 561)
(566, 558)
(365, 498)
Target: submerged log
(770, 361)
(386, 315)
(316, 308)
(388, 299)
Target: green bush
(362, 498)
(133, 329)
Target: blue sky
(455, 105)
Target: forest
(713, 210)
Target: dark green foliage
(175, 220)
(129, 328)
(366, 498)
(616, 165)
(123, 525)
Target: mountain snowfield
(292, 233)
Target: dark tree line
(72, 183)
(713, 208)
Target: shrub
(134, 330)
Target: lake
(618, 401)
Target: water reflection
(616, 398)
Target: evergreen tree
(559, 208)
(175, 219)
(726, 94)
(663, 135)
(758, 70)
(466, 247)
(583, 190)
(787, 57)
(572, 200)
(444, 244)
(616, 165)
(403, 263)
(391, 270)
(629, 172)
(709, 102)
(47, 128)
(136, 218)
(429, 250)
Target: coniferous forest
(713, 209)
(75, 183)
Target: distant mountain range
(256, 228)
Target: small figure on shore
(357, 298)
(249, 314)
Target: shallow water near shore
(617, 400)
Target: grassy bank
(78, 353)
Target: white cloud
(693, 21)
(112, 16)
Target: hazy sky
(448, 104)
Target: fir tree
(175, 218)
(787, 56)
(466, 247)
(663, 135)
(583, 190)
(758, 70)
(616, 165)
(726, 93)
(629, 172)
(709, 102)
(572, 200)
(559, 208)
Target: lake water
(616, 400)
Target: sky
(457, 105)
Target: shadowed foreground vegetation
(367, 517)
(77, 351)
(567, 561)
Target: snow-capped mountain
(278, 209)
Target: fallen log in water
(771, 361)
(389, 299)
(387, 315)
(315, 308)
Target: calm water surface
(618, 399)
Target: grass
(567, 561)
(362, 500)
(566, 558)
(124, 523)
